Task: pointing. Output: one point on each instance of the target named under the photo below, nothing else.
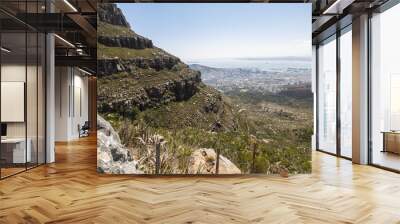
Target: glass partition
(385, 89)
(13, 94)
(22, 88)
(327, 96)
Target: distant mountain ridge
(288, 58)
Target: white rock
(112, 156)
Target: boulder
(204, 161)
(112, 156)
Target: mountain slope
(152, 99)
(135, 76)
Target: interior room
(47, 82)
(74, 76)
(71, 103)
(385, 90)
(22, 103)
(49, 76)
(335, 84)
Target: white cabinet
(19, 155)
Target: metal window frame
(381, 9)
(339, 32)
(44, 75)
(387, 5)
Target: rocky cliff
(136, 42)
(133, 74)
(122, 92)
(116, 36)
(115, 31)
(117, 65)
(111, 14)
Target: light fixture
(86, 72)
(65, 41)
(5, 50)
(70, 5)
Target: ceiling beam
(77, 61)
(337, 7)
(89, 30)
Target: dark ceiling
(329, 16)
(74, 21)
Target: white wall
(33, 126)
(62, 81)
(17, 73)
(12, 73)
(70, 84)
(80, 94)
(13, 101)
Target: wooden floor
(5, 172)
(70, 191)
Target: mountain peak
(111, 14)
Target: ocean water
(273, 65)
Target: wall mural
(204, 89)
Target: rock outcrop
(112, 66)
(112, 156)
(166, 78)
(135, 42)
(111, 14)
(203, 161)
(147, 96)
(112, 19)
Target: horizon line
(302, 58)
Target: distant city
(254, 74)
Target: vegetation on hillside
(256, 140)
(109, 30)
(104, 52)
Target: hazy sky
(204, 31)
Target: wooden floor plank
(70, 191)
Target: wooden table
(391, 141)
